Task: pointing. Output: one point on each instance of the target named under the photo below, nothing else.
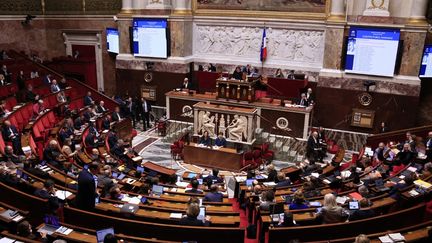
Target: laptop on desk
(129, 208)
(157, 190)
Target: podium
(236, 90)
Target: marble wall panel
(412, 52)
(334, 38)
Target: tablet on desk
(100, 234)
(202, 213)
(121, 176)
(354, 205)
(249, 182)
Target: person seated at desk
(214, 178)
(91, 140)
(303, 100)
(283, 181)
(3, 80)
(383, 153)
(88, 100)
(38, 108)
(61, 97)
(10, 156)
(220, 140)
(4, 112)
(271, 173)
(247, 69)
(267, 199)
(213, 195)
(279, 73)
(291, 75)
(29, 95)
(115, 193)
(87, 115)
(364, 212)
(427, 170)
(331, 212)
(106, 123)
(64, 134)
(24, 229)
(205, 139)
(112, 138)
(52, 154)
(395, 192)
(79, 122)
(298, 201)
(54, 86)
(63, 84)
(405, 156)
(101, 107)
(10, 134)
(237, 74)
(116, 115)
(67, 149)
(46, 191)
(195, 184)
(186, 84)
(191, 218)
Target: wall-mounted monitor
(150, 38)
(372, 51)
(113, 42)
(426, 64)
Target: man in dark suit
(91, 140)
(272, 173)
(145, 110)
(429, 147)
(282, 180)
(47, 79)
(303, 100)
(30, 96)
(21, 81)
(51, 154)
(364, 212)
(131, 110)
(7, 75)
(112, 139)
(101, 107)
(186, 84)
(10, 134)
(87, 184)
(310, 96)
(406, 155)
(116, 114)
(79, 122)
(213, 195)
(214, 178)
(194, 184)
(63, 134)
(88, 100)
(313, 149)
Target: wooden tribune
(238, 90)
(222, 158)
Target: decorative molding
(287, 47)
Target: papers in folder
(176, 216)
(422, 184)
(269, 184)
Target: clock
(148, 77)
(365, 99)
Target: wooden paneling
(130, 81)
(334, 109)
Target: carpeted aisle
(243, 220)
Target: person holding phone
(192, 213)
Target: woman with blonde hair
(362, 239)
(331, 212)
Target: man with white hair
(54, 86)
(313, 148)
(186, 84)
(51, 154)
(10, 134)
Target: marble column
(139, 4)
(126, 5)
(334, 36)
(123, 27)
(418, 11)
(182, 7)
(337, 10)
(412, 52)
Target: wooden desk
(159, 169)
(222, 158)
(238, 90)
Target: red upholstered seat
(248, 160)
(267, 154)
(257, 157)
(332, 147)
(52, 119)
(2, 144)
(36, 133)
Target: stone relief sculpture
(269, 5)
(222, 126)
(238, 128)
(287, 45)
(206, 123)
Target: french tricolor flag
(263, 55)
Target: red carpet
(243, 220)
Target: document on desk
(269, 184)
(385, 239)
(6, 240)
(176, 215)
(64, 230)
(182, 184)
(62, 195)
(134, 200)
(397, 237)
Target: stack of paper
(62, 195)
(397, 237)
(423, 184)
(269, 184)
(182, 184)
(341, 200)
(176, 215)
(134, 200)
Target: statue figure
(206, 123)
(237, 128)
